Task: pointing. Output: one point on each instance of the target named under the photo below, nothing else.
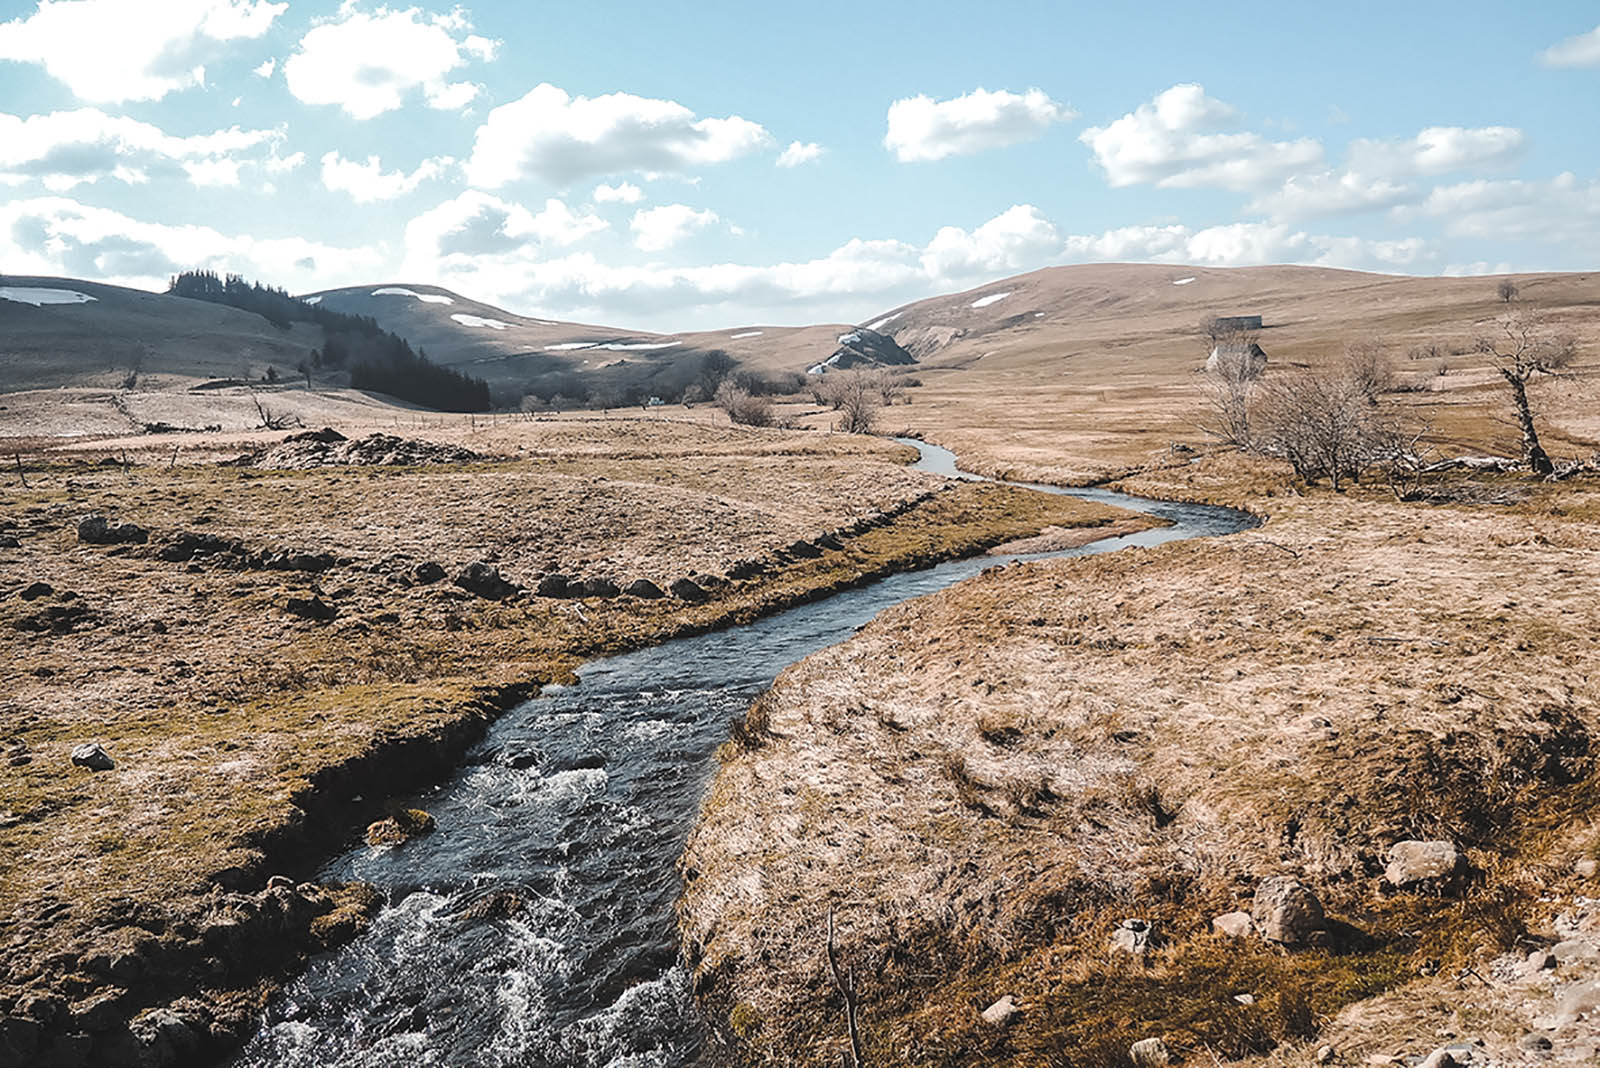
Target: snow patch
(1183, 281)
(747, 333)
(569, 346)
(819, 368)
(613, 346)
(311, 300)
(885, 321)
(851, 338)
(478, 320)
(426, 298)
(1038, 315)
(992, 298)
(39, 297)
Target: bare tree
(742, 406)
(1369, 366)
(856, 395)
(693, 393)
(1319, 421)
(1524, 348)
(1229, 390)
(1507, 291)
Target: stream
(578, 802)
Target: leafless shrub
(1319, 422)
(1507, 291)
(1397, 447)
(856, 395)
(1229, 389)
(742, 407)
(1428, 351)
(1369, 367)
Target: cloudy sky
(674, 166)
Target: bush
(742, 406)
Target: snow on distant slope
(992, 298)
(1183, 281)
(613, 346)
(426, 298)
(885, 321)
(311, 300)
(747, 333)
(478, 320)
(39, 297)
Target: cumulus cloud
(560, 139)
(366, 182)
(1557, 211)
(922, 129)
(477, 224)
(1579, 50)
(60, 236)
(622, 193)
(800, 152)
(1319, 195)
(1436, 150)
(110, 51)
(370, 62)
(1184, 138)
(63, 149)
(659, 228)
(1015, 240)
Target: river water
(579, 802)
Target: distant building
(1249, 361)
(1237, 324)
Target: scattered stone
(485, 581)
(1325, 1054)
(1541, 960)
(498, 904)
(644, 589)
(35, 590)
(554, 585)
(1245, 999)
(1001, 1012)
(1533, 1042)
(744, 569)
(1573, 949)
(803, 549)
(1286, 911)
(9, 541)
(327, 436)
(90, 755)
(595, 587)
(1440, 1058)
(1234, 925)
(375, 450)
(404, 825)
(688, 590)
(1133, 937)
(427, 573)
(97, 530)
(1413, 862)
(313, 608)
(1150, 1053)
(1586, 868)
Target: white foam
(311, 300)
(1183, 281)
(885, 321)
(38, 297)
(747, 333)
(992, 298)
(478, 320)
(426, 298)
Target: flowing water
(579, 802)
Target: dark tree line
(375, 358)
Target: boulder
(35, 590)
(1413, 862)
(90, 755)
(404, 825)
(166, 1036)
(1133, 937)
(1001, 1012)
(1234, 925)
(427, 573)
(594, 587)
(805, 550)
(485, 581)
(1286, 911)
(98, 530)
(688, 590)
(645, 589)
(313, 608)
(10, 541)
(554, 585)
(1150, 1053)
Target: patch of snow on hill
(478, 320)
(570, 346)
(851, 338)
(311, 300)
(1183, 281)
(885, 321)
(640, 346)
(426, 298)
(819, 368)
(992, 298)
(38, 297)
(1038, 315)
(747, 333)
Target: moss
(744, 1021)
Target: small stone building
(1248, 361)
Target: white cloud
(1436, 150)
(1317, 195)
(110, 51)
(1184, 138)
(1015, 240)
(370, 62)
(60, 236)
(1558, 211)
(623, 193)
(659, 228)
(65, 148)
(366, 182)
(265, 69)
(922, 129)
(560, 139)
(800, 152)
(477, 224)
(1579, 50)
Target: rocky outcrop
(1412, 863)
(376, 450)
(1287, 912)
(98, 530)
(92, 756)
(485, 580)
(863, 347)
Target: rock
(595, 587)
(1286, 911)
(688, 590)
(1579, 1001)
(97, 1012)
(313, 608)
(9, 541)
(1245, 999)
(277, 882)
(404, 825)
(165, 1036)
(498, 904)
(1440, 1058)
(1533, 1042)
(1413, 862)
(1541, 960)
(644, 589)
(744, 569)
(90, 755)
(1001, 1012)
(554, 585)
(1150, 1053)
(1133, 937)
(805, 550)
(326, 436)
(98, 530)
(35, 590)
(1586, 868)
(1325, 1054)
(427, 573)
(1234, 925)
(1573, 949)
(485, 581)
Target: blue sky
(684, 166)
